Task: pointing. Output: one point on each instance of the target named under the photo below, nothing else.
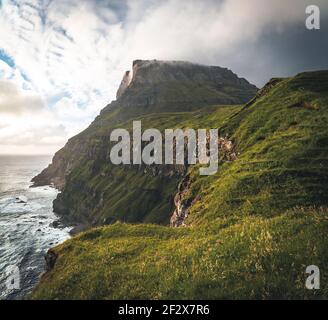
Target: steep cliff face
(162, 94)
(62, 164)
(124, 84)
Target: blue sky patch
(6, 58)
(57, 97)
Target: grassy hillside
(98, 192)
(246, 258)
(282, 139)
(252, 228)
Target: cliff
(160, 94)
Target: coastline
(28, 224)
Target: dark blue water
(26, 231)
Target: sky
(61, 62)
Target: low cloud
(231, 33)
(37, 133)
(17, 102)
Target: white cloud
(15, 101)
(72, 54)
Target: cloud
(18, 102)
(69, 56)
(231, 33)
(82, 45)
(32, 133)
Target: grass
(283, 155)
(248, 258)
(255, 227)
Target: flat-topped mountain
(220, 84)
(152, 87)
(166, 86)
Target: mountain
(161, 94)
(180, 86)
(250, 230)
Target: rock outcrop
(181, 207)
(182, 203)
(50, 258)
(124, 84)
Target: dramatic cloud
(62, 61)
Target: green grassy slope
(254, 228)
(98, 191)
(248, 258)
(283, 143)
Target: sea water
(26, 217)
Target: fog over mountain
(62, 61)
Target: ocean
(26, 231)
